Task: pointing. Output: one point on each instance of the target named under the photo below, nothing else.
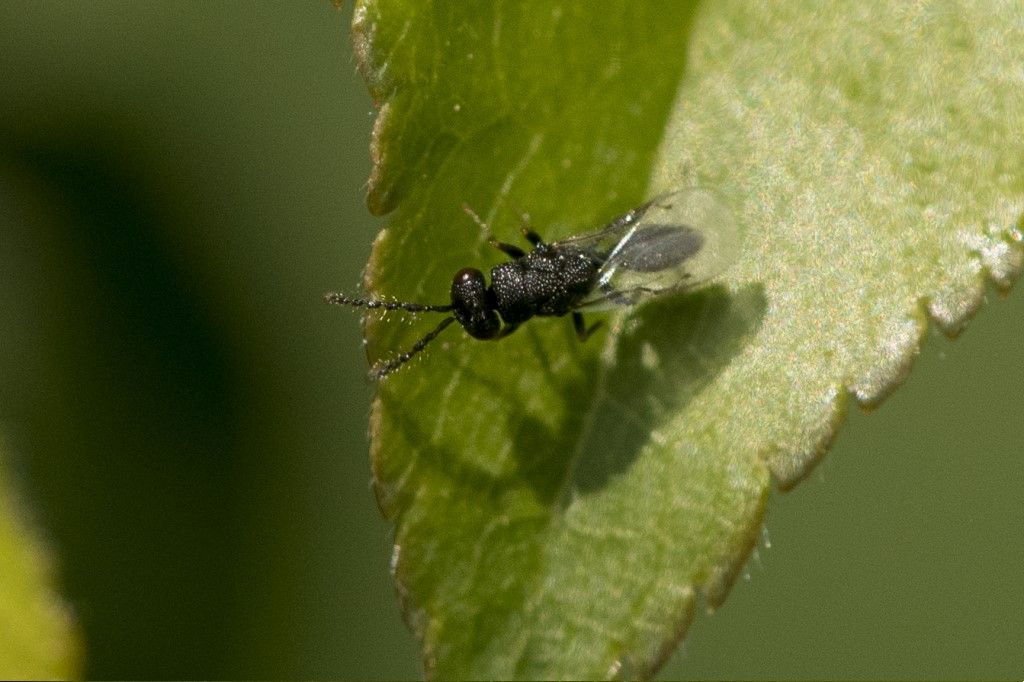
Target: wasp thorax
(470, 305)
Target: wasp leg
(532, 236)
(583, 332)
(527, 229)
(511, 250)
(506, 330)
(616, 296)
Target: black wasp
(676, 241)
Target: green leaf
(38, 637)
(560, 507)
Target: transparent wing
(676, 241)
(601, 243)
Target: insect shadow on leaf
(670, 352)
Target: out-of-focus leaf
(38, 637)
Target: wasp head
(471, 305)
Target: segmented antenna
(374, 304)
(383, 369)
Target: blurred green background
(179, 183)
